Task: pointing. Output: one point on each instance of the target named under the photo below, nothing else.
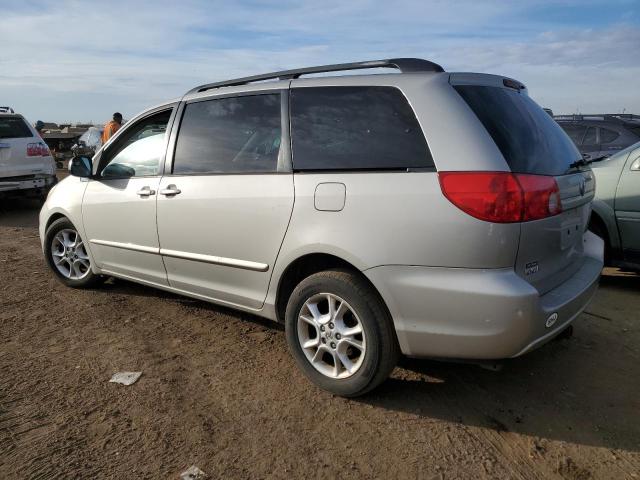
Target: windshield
(529, 139)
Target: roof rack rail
(599, 116)
(6, 110)
(405, 65)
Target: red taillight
(37, 150)
(502, 197)
(541, 196)
(33, 150)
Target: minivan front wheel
(66, 254)
(340, 333)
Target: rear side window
(529, 139)
(230, 135)
(608, 136)
(14, 127)
(355, 128)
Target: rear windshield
(14, 127)
(529, 139)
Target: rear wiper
(583, 162)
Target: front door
(224, 209)
(119, 205)
(627, 207)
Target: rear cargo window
(529, 139)
(355, 128)
(14, 127)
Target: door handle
(170, 190)
(146, 191)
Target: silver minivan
(423, 213)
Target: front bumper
(37, 182)
(481, 313)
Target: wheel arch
(306, 265)
(53, 217)
(604, 216)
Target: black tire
(382, 350)
(89, 280)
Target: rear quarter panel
(402, 218)
(391, 219)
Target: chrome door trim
(228, 262)
(197, 257)
(125, 246)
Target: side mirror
(80, 167)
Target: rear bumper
(15, 184)
(481, 314)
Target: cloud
(72, 60)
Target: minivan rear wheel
(340, 333)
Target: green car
(616, 207)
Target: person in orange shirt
(112, 127)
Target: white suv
(26, 164)
(430, 213)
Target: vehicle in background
(598, 135)
(88, 143)
(616, 207)
(548, 111)
(26, 164)
(424, 212)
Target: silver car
(423, 213)
(616, 208)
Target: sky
(78, 61)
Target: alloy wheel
(331, 335)
(70, 255)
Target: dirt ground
(220, 391)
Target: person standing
(112, 127)
(39, 127)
